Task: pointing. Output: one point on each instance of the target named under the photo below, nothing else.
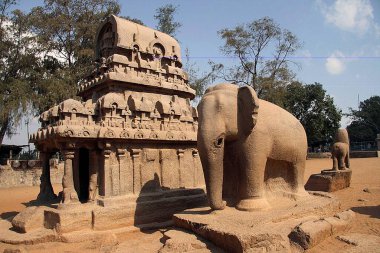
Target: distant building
(9, 151)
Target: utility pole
(27, 132)
(358, 103)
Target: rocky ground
(363, 197)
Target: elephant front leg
(252, 185)
(335, 163)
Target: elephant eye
(219, 142)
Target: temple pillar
(46, 189)
(124, 184)
(94, 171)
(195, 167)
(115, 174)
(76, 172)
(136, 155)
(107, 178)
(69, 193)
(181, 180)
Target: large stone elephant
(340, 150)
(260, 133)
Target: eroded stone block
(68, 220)
(329, 181)
(263, 231)
(311, 233)
(31, 218)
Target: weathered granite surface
(329, 180)
(260, 231)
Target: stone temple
(129, 145)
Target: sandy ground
(365, 175)
(15, 199)
(366, 205)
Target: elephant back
(342, 136)
(224, 87)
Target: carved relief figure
(261, 132)
(340, 150)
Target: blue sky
(341, 39)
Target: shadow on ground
(49, 203)
(372, 211)
(8, 215)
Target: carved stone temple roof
(133, 54)
(137, 90)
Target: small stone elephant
(340, 150)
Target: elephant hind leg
(298, 180)
(341, 163)
(335, 163)
(347, 161)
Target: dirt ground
(363, 197)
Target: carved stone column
(69, 193)
(76, 172)
(136, 153)
(46, 189)
(123, 171)
(195, 167)
(180, 153)
(115, 174)
(107, 179)
(105, 176)
(94, 171)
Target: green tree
(66, 31)
(198, 80)
(165, 18)
(18, 68)
(365, 123)
(136, 20)
(165, 23)
(315, 110)
(263, 49)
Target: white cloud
(350, 15)
(334, 64)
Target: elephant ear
(248, 107)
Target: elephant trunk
(212, 163)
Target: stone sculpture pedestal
(260, 231)
(329, 180)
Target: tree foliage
(45, 53)
(66, 31)
(18, 67)
(315, 110)
(165, 18)
(165, 23)
(136, 20)
(365, 123)
(262, 48)
(198, 80)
